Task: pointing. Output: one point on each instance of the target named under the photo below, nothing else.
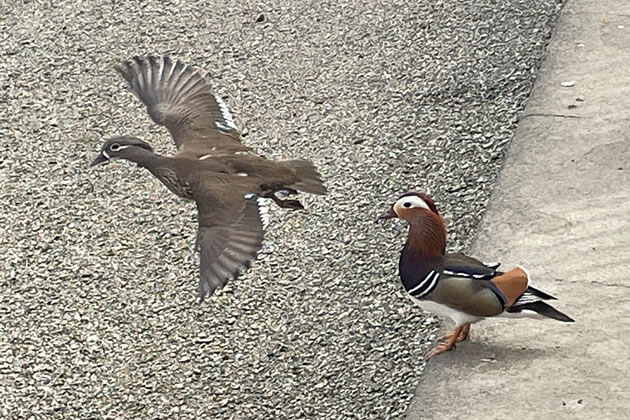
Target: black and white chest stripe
(426, 285)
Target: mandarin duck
(212, 167)
(457, 286)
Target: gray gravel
(98, 310)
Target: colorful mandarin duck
(456, 286)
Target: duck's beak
(389, 214)
(101, 158)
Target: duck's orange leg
(442, 347)
(461, 337)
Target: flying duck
(457, 286)
(226, 180)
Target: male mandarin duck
(456, 286)
(212, 167)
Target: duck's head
(410, 206)
(119, 147)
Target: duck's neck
(427, 237)
(141, 156)
(164, 168)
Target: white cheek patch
(411, 201)
(104, 153)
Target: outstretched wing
(229, 237)
(180, 99)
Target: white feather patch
(443, 311)
(456, 273)
(263, 211)
(527, 298)
(411, 201)
(225, 112)
(462, 274)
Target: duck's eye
(407, 204)
(114, 147)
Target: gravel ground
(98, 309)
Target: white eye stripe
(115, 147)
(411, 201)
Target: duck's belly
(443, 311)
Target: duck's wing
(179, 98)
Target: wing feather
(230, 236)
(180, 99)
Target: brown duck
(456, 286)
(212, 167)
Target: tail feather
(541, 308)
(310, 180)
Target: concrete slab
(562, 209)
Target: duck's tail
(536, 309)
(309, 179)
